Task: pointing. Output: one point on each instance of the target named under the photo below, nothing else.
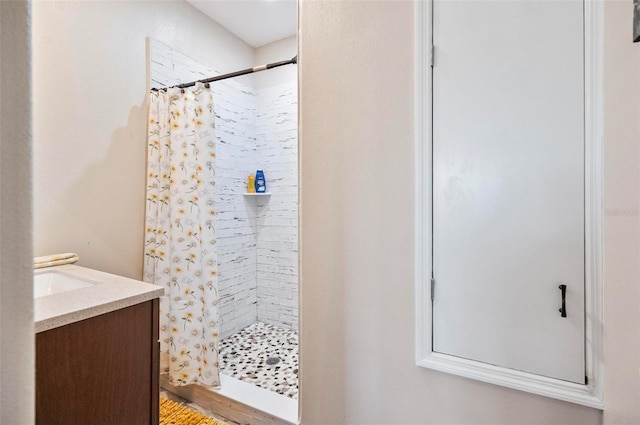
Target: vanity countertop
(108, 293)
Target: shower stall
(256, 234)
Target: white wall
(236, 217)
(89, 79)
(277, 154)
(356, 141)
(622, 218)
(17, 346)
(276, 51)
(277, 235)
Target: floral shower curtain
(180, 237)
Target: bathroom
(255, 128)
(357, 128)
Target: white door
(508, 184)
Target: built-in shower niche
(257, 236)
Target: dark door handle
(563, 310)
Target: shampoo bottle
(251, 184)
(261, 183)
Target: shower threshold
(240, 401)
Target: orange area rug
(172, 413)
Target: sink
(51, 282)
(69, 293)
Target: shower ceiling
(257, 22)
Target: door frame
(590, 394)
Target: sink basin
(53, 282)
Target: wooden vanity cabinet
(101, 370)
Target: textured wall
(236, 221)
(277, 236)
(277, 142)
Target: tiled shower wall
(277, 236)
(235, 108)
(257, 238)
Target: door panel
(508, 184)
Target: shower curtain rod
(293, 60)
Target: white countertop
(109, 293)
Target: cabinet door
(100, 371)
(508, 184)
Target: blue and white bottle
(261, 183)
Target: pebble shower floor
(250, 355)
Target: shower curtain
(180, 237)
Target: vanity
(97, 349)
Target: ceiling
(257, 22)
